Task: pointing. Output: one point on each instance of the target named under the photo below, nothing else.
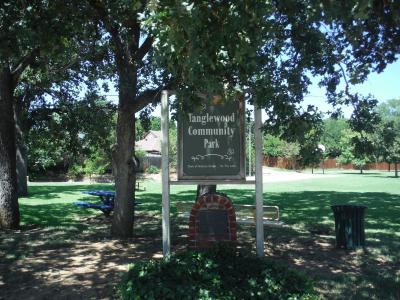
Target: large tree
(387, 133)
(127, 62)
(331, 134)
(69, 132)
(54, 78)
(20, 45)
(32, 35)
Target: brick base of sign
(212, 219)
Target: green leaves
(71, 133)
(205, 45)
(387, 133)
(219, 273)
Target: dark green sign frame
(211, 142)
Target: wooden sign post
(166, 236)
(259, 182)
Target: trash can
(349, 225)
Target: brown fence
(279, 162)
(330, 163)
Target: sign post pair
(211, 150)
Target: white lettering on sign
(211, 144)
(211, 131)
(207, 118)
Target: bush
(76, 172)
(140, 153)
(152, 170)
(97, 163)
(215, 274)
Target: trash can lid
(355, 206)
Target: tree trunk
(123, 160)
(22, 169)
(9, 209)
(22, 158)
(204, 189)
(396, 170)
(124, 175)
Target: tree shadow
(54, 191)
(309, 242)
(58, 214)
(57, 233)
(64, 262)
(385, 176)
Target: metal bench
(245, 213)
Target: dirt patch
(84, 267)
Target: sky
(383, 86)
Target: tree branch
(344, 78)
(23, 64)
(144, 48)
(62, 69)
(113, 29)
(149, 96)
(134, 33)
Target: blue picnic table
(106, 199)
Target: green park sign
(211, 142)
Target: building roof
(150, 143)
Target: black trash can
(349, 225)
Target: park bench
(106, 198)
(245, 213)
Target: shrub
(272, 146)
(152, 170)
(97, 163)
(76, 172)
(215, 274)
(140, 153)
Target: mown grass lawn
(307, 243)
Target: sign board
(211, 142)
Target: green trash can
(349, 225)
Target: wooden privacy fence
(330, 163)
(279, 162)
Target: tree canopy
(266, 52)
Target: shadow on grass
(308, 207)
(374, 273)
(301, 208)
(386, 176)
(382, 175)
(57, 215)
(364, 173)
(57, 190)
(308, 212)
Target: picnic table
(106, 199)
